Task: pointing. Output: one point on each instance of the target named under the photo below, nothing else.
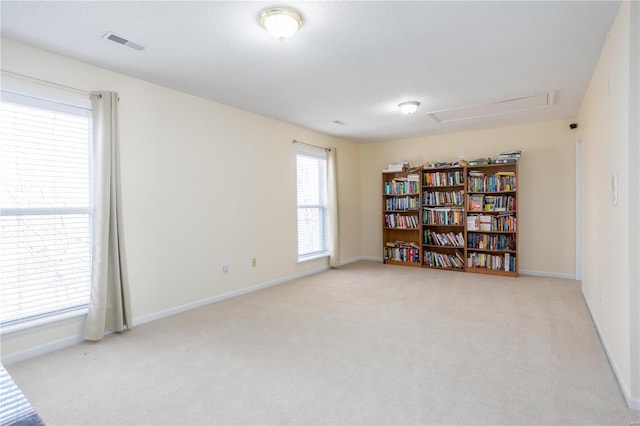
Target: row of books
(508, 157)
(443, 216)
(505, 222)
(402, 203)
(444, 260)
(496, 183)
(399, 186)
(491, 241)
(501, 262)
(490, 203)
(449, 239)
(438, 164)
(402, 252)
(444, 178)
(453, 198)
(401, 221)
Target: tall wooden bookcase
(491, 231)
(466, 218)
(443, 218)
(401, 218)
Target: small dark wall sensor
(573, 125)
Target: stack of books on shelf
(480, 162)
(491, 242)
(507, 157)
(402, 185)
(444, 178)
(401, 203)
(402, 251)
(443, 260)
(501, 181)
(438, 198)
(501, 262)
(440, 164)
(443, 216)
(505, 222)
(399, 221)
(493, 203)
(448, 239)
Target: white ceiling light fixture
(281, 22)
(409, 107)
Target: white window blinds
(45, 207)
(311, 180)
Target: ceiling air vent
(495, 108)
(123, 41)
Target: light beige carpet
(365, 344)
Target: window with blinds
(311, 180)
(45, 208)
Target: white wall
(546, 186)
(194, 195)
(610, 138)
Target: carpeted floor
(365, 344)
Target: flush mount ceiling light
(409, 107)
(281, 22)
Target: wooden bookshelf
(443, 199)
(401, 220)
(491, 232)
(466, 218)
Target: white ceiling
(351, 61)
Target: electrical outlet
(254, 262)
(225, 268)
(461, 155)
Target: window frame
(322, 206)
(31, 95)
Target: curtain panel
(332, 195)
(109, 305)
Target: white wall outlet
(461, 155)
(225, 268)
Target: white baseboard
(240, 292)
(42, 349)
(633, 403)
(548, 274)
(359, 258)
(521, 272)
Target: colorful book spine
(501, 262)
(443, 216)
(400, 221)
(444, 178)
(402, 203)
(438, 198)
(444, 260)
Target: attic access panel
(495, 108)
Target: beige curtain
(332, 194)
(109, 306)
